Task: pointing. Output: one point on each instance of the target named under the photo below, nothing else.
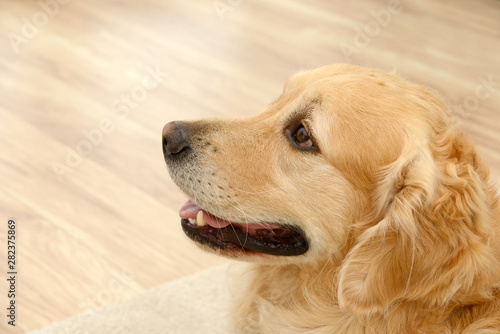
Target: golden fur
(402, 220)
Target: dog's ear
(427, 238)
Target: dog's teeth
(192, 220)
(199, 219)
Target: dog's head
(349, 164)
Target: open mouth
(221, 234)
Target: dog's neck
(299, 297)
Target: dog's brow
(315, 101)
(301, 111)
(306, 108)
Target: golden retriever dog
(358, 204)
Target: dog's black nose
(175, 139)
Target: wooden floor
(86, 86)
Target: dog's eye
(301, 137)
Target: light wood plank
(108, 227)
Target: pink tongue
(190, 210)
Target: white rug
(195, 304)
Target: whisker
(321, 271)
(258, 192)
(239, 208)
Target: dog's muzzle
(182, 153)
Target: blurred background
(86, 87)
